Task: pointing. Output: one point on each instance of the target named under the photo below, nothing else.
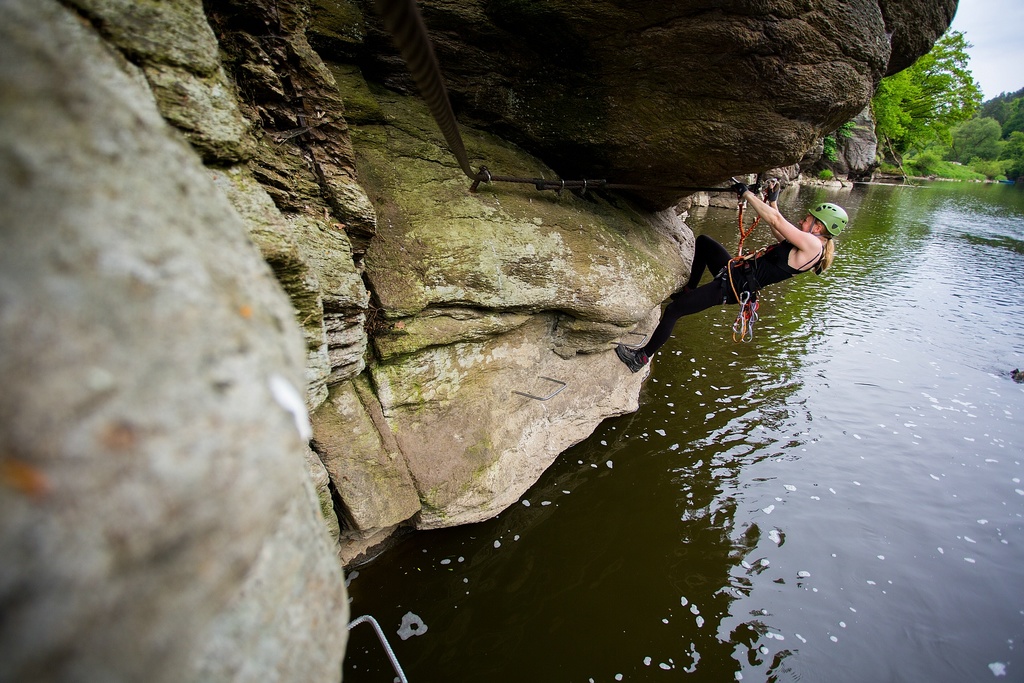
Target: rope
(736, 260)
(403, 20)
(744, 233)
(743, 326)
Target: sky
(996, 30)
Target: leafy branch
(922, 103)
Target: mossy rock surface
(507, 247)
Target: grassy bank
(930, 164)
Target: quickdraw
(743, 327)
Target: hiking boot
(635, 359)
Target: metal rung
(642, 341)
(549, 396)
(383, 641)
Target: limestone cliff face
(855, 153)
(655, 94)
(661, 93)
(219, 221)
(157, 515)
(477, 296)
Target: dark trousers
(707, 255)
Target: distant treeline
(930, 120)
(1001, 107)
(992, 142)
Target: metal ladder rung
(641, 343)
(366, 618)
(549, 396)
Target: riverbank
(913, 181)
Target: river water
(842, 499)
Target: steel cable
(402, 18)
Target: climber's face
(812, 225)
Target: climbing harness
(743, 327)
(367, 619)
(403, 20)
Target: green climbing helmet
(832, 216)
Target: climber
(800, 248)
(771, 192)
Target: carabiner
(743, 327)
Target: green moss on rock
(506, 247)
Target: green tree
(993, 170)
(920, 104)
(831, 142)
(1014, 153)
(976, 138)
(1015, 119)
(926, 163)
(999, 107)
